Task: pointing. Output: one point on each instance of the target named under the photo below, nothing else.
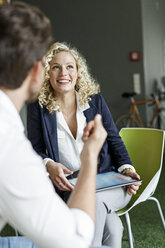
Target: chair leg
(130, 236)
(159, 209)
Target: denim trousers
(22, 242)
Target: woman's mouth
(63, 81)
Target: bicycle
(133, 118)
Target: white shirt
(27, 198)
(69, 147)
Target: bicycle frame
(134, 112)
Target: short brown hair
(25, 36)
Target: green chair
(145, 147)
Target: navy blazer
(42, 132)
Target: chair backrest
(145, 147)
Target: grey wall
(104, 31)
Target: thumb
(99, 132)
(67, 170)
(136, 176)
(97, 120)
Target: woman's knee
(114, 224)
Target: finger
(62, 179)
(137, 184)
(99, 131)
(134, 187)
(58, 182)
(92, 126)
(63, 182)
(58, 185)
(61, 186)
(89, 127)
(131, 189)
(88, 130)
(67, 184)
(85, 136)
(131, 192)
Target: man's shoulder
(6, 123)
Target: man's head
(25, 36)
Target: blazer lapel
(90, 112)
(51, 129)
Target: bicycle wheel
(125, 121)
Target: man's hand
(93, 137)
(84, 193)
(132, 188)
(56, 172)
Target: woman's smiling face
(63, 73)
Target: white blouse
(69, 147)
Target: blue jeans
(16, 242)
(21, 242)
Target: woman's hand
(56, 172)
(132, 188)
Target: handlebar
(128, 94)
(131, 94)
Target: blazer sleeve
(116, 146)
(34, 129)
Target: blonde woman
(68, 100)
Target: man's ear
(36, 72)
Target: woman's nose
(63, 70)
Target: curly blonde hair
(86, 85)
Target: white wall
(153, 22)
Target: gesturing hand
(94, 136)
(56, 172)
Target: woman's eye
(70, 67)
(55, 67)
